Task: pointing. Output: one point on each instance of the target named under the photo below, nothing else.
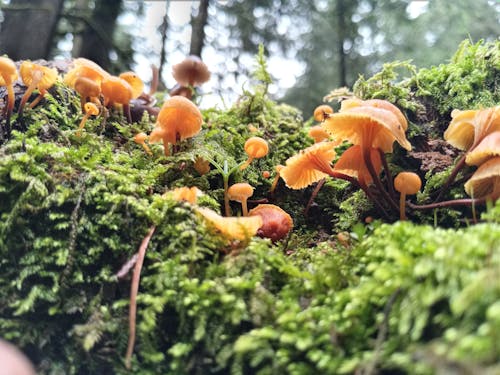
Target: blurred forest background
(314, 46)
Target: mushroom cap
(178, 115)
(352, 163)
(191, 71)
(8, 71)
(322, 112)
(87, 87)
(384, 104)
(186, 194)
(135, 83)
(91, 109)
(256, 147)
(485, 180)
(237, 228)
(489, 147)
(116, 90)
(240, 192)
(83, 67)
(471, 126)
(49, 77)
(368, 126)
(276, 223)
(408, 183)
(309, 165)
(14, 362)
(318, 133)
(140, 137)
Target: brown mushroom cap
(240, 192)
(237, 228)
(178, 116)
(352, 163)
(309, 165)
(8, 71)
(486, 180)
(191, 71)
(471, 126)
(256, 147)
(489, 147)
(276, 223)
(408, 183)
(368, 126)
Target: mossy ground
(415, 297)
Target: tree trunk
(163, 29)
(97, 37)
(28, 28)
(341, 39)
(198, 23)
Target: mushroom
(240, 192)
(85, 68)
(488, 148)
(318, 133)
(255, 147)
(178, 119)
(90, 110)
(276, 223)
(140, 138)
(407, 183)
(309, 165)
(234, 228)
(135, 83)
(485, 182)
(185, 194)
(88, 89)
(8, 74)
(117, 91)
(14, 362)
(278, 169)
(35, 77)
(201, 165)
(191, 72)
(184, 91)
(322, 112)
(352, 164)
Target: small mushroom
(8, 74)
(35, 77)
(255, 148)
(88, 89)
(85, 68)
(240, 192)
(117, 91)
(140, 138)
(201, 165)
(191, 72)
(90, 110)
(14, 362)
(276, 223)
(322, 112)
(185, 194)
(276, 178)
(488, 148)
(136, 84)
(233, 228)
(178, 119)
(406, 183)
(318, 133)
(485, 182)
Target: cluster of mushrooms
(371, 127)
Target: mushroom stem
(402, 201)
(388, 174)
(227, 208)
(38, 98)
(315, 192)
(460, 164)
(244, 207)
(10, 106)
(36, 78)
(126, 111)
(82, 124)
(366, 189)
(451, 203)
(246, 163)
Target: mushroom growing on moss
(485, 182)
(36, 77)
(255, 148)
(276, 222)
(488, 148)
(90, 110)
(88, 89)
(178, 119)
(117, 91)
(140, 138)
(135, 82)
(322, 112)
(191, 71)
(406, 183)
(240, 192)
(8, 74)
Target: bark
(341, 30)
(28, 28)
(198, 23)
(97, 37)
(163, 29)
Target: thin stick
(134, 289)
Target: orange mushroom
(318, 133)
(322, 112)
(233, 228)
(352, 164)
(117, 91)
(36, 77)
(90, 110)
(140, 138)
(201, 165)
(8, 74)
(255, 148)
(88, 89)
(240, 192)
(406, 183)
(178, 119)
(191, 72)
(276, 178)
(488, 148)
(276, 222)
(135, 82)
(185, 194)
(83, 67)
(485, 182)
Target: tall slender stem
(455, 202)
(388, 174)
(451, 177)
